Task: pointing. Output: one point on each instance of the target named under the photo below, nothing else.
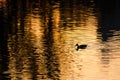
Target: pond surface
(38, 40)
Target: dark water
(38, 38)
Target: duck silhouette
(82, 46)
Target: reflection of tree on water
(16, 14)
(21, 53)
(105, 56)
(21, 59)
(3, 42)
(52, 63)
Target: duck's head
(76, 45)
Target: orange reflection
(73, 64)
(57, 33)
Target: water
(38, 40)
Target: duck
(82, 46)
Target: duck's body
(82, 46)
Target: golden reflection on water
(73, 64)
(27, 61)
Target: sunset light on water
(38, 40)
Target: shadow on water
(109, 19)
